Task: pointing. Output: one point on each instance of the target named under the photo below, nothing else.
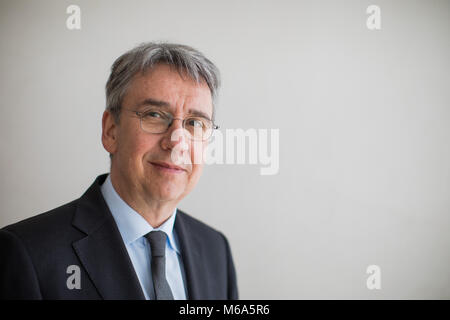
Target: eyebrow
(164, 104)
(154, 102)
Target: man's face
(137, 155)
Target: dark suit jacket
(35, 254)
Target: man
(125, 238)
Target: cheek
(197, 150)
(136, 146)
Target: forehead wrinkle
(171, 93)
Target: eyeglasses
(155, 120)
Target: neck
(155, 212)
(156, 215)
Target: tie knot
(157, 240)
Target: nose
(175, 135)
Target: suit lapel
(191, 254)
(102, 252)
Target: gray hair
(145, 56)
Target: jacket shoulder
(52, 223)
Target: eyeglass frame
(140, 115)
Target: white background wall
(363, 117)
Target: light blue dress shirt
(132, 227)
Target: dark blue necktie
(157, 240)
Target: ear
(109, 132)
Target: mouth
(167, 167)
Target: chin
(168, 194)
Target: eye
(153, 115)
(195, 123)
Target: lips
(168, 167)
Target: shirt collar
(131, 224)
